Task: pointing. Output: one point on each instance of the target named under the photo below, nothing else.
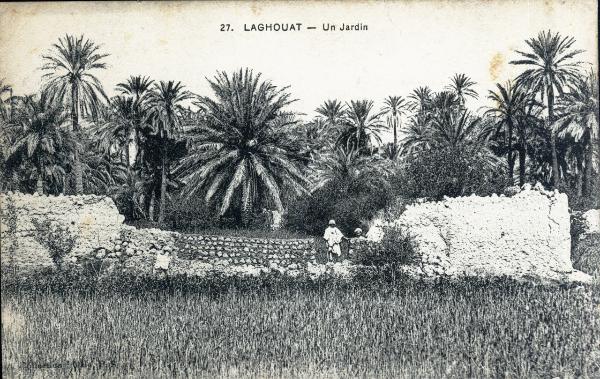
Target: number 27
(225, 27)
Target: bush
(451, 171)
(586, 254)
(395, 249)
(57, 239)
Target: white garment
(333, 236)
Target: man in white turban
(333, 236)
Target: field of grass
(300, 329)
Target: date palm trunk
(588, 174)
(163, 187)
(77, 130)
(39, 185)
(510, 155)
(522, 156)
(580, 175)
(152, 205)
(550, 120)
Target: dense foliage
(172, 158)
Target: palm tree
(166, 114)
(362, 126)
(511, 103)
(347, 167)
(420, 97)
(461, 85)
(71, 82)
(578, 116)
(417, 136)
(244, 153)
(394, 107)
(116, 129)
(443, 102)
(333, 112)
(550, 68)
(314, 136)
(40, 137)
(138, 87)
(457, 128)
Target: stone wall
(526, 235)
(102, 239)
(151, 251)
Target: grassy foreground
(475, 329)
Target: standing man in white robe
(333, 236)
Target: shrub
(586, 254)
(395, 249)
(57, 239)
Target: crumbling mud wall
(89, 220)
(525, 235)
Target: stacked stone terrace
(242, 250)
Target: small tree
(55, 238)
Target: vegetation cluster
(187, 161)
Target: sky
(408, 43)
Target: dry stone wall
(526, 235)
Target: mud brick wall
(524, 235)
(91, 220)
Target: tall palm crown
(114, 132)
(166, 108)
(70, 78)
(512, 104)
(550, 67)
(578, 109)
(462, 86)
(244, 152)
(419, 98)
(332, 111)
(41, 137)
(549, 62)
(362, 125)
(136, 86)
(394, 107)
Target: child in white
(333, 236)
